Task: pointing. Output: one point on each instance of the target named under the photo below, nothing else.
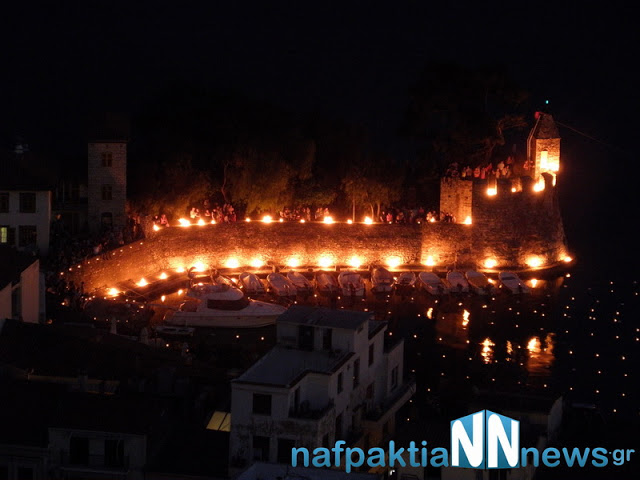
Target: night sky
(353, 61)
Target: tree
(460, 114)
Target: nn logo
(485, 440)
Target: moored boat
(326, 283)
(457, 282)
(280, 285)
(351, 284)
(432, 283)
(222, 306)
(478, 282)
(381, 280)
(300, 282)
(406, 280)
(251, 284)
(513, 283)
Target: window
(370, 390)
(340, 382)
(339, 426)
(107, 192)
(394, 378)
(261, 448)
(4, 202)
(261, 404)
(326, 338)
(113, 453)
(79, 451)
(107, 159)
(7, 235)
(356, 373)
(106, 220)
(284, 450)
(305, 337)
(27, 235)
(325, 440)
(296, 400)
(27, 202)
(371, 350)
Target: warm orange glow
(180, 292)
(393, 261)
(281, 220)
(534, 282)
(467, 221)
(156, 228)
(247, 219)
(293, 262)
(328, 220)
(163, 298)
(348, 221)
(368, 220)
(465, 318)
(199, 267)
(184, 222)
(213, 222)
(267, 219)
(325, 262)
(302, 220)
(256, 263)
(430, 313)
(534, 261)
(490, 263)
(180, 270)
(355, 261)
(539, 185)
(513, 190)
(201, 222)
(114, 292)
(432, 220)
(163, 276)
(487, 350)
(534, 345)
(232, 263)
(430, 262)
(567, 259)
(492, 191)
(142, 283)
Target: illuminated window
(7, 235)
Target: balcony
(306, 413)
(94, 464)
(395, 400)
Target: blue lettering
(376, 457)
(349, 460)
(550, 454)
(575, 453)
(294, 456)
(321, 458)
(601, 455)
(536, 456)
(439, 457)
(395, 456)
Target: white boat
(222, 306)
(280, 285)
(326, 283)
(512, 282)
(251, 284)
(479, 282)
(224, 280)
(406, 280)
(302, 284)
(381, 280)
(351, 284)
(457, 282)
(432, 283)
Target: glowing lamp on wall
(183, 222)
(180, 270)
(534, 261)
(293, 262)
(328, 220)
(156, 228)
(142, 283)
(490, 263)
(114, 292)
(232, 263)
(267, 219)
(302, 220)
(567, 259)
(201, 222)
(199, 267)
(467, 221)
(394, 262)
(281, 220)
(368, 220)
(430, 262)
(163, 276)
(348, 221)
(355, 262)
(247, 219)
(325, 261)
(256, 263)
(492, 191)
(539, 185)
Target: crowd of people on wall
(503, 169)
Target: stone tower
(107, 184)
(543, 147)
